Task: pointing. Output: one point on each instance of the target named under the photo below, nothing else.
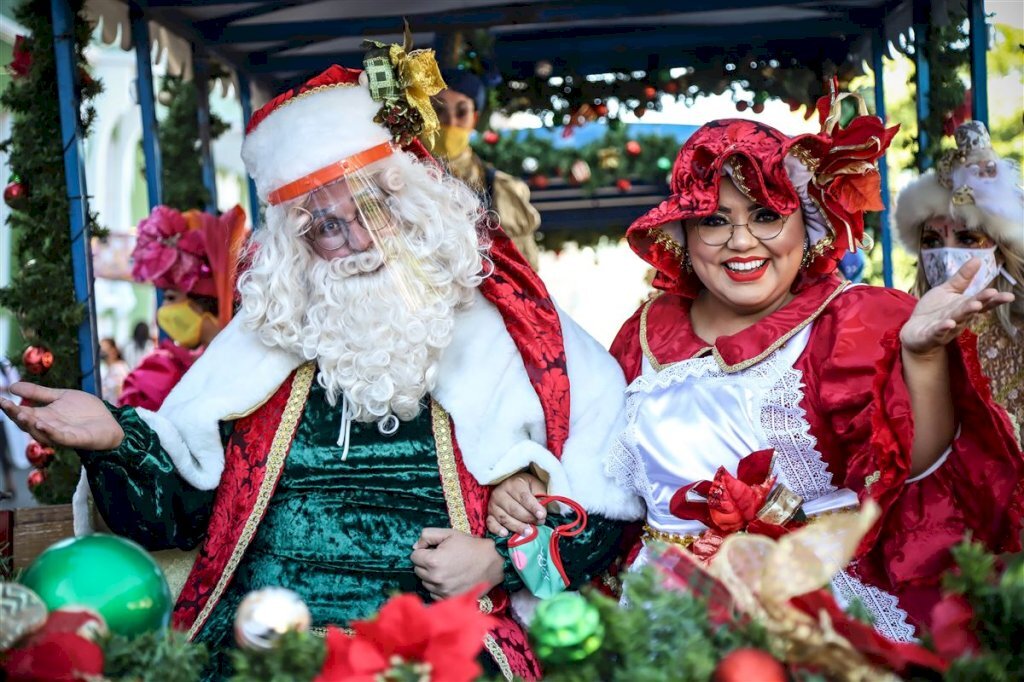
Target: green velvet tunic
(339, 533)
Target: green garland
(41, 294)
(181, 164)
(947, 53)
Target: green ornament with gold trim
(110, 575)
(565, 629)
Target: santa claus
(391, 360)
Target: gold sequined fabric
(1002, 359)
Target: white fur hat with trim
(972, 185)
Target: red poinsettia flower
(732, 502)
(57, 657)
(951, 627)
(169, 251)
(444, 637)
(21, 61)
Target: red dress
(149, 383)
(857, 411)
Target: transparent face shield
(352, 220)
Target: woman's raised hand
(944, 311)
(62, 417)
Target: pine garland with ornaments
(572, 98)
(41, 292)
(645, 159)
(98, 607)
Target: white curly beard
(370, 344)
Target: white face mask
(941, 264)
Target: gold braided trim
(750, 362)
(805, 156)
(738, 179)
(321, 631)
(684, 541)
(457, 515)
(275, 463)
(499, 657)
(665, 240)
(316, 90)
(644, 346)
(448, 468)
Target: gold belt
(684, 541)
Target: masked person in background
(193, 257)
(458, 109)
(972, 207)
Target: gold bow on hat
(420, 77)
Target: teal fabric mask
(535, 555)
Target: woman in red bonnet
(765, 390)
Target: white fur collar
(482, 384)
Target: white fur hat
(972, 185)
(325, 120)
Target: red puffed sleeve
(152, 380)
(626, 347)
(859, 410)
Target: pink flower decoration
(169, 253)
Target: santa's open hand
(449, 563)
(61, 417)
(944, 311)
(513, 505)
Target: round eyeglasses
(717, 229)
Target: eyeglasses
(331, 232)
(717, 229)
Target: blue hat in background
(467, 83)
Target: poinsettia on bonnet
(170, 251)
(441, 641)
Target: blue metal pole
(979, 67)
(74, 177)
(245, 95)
(922, 75)
(877, 50)
(147, 106)
(201, 73)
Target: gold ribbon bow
(420, 78)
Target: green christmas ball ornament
(664, 163)
(566, 628)
(111, 575)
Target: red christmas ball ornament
(601, 109)
(650, 92)
(36, 478)
(491, 137)
(624, 184)
(758, 108)
(741, 106)
(16, 195)
(540, 182)
(37, 360)
(743, 665)
(640, 111)
(38, 455)
(671, 87)
(633, 148)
